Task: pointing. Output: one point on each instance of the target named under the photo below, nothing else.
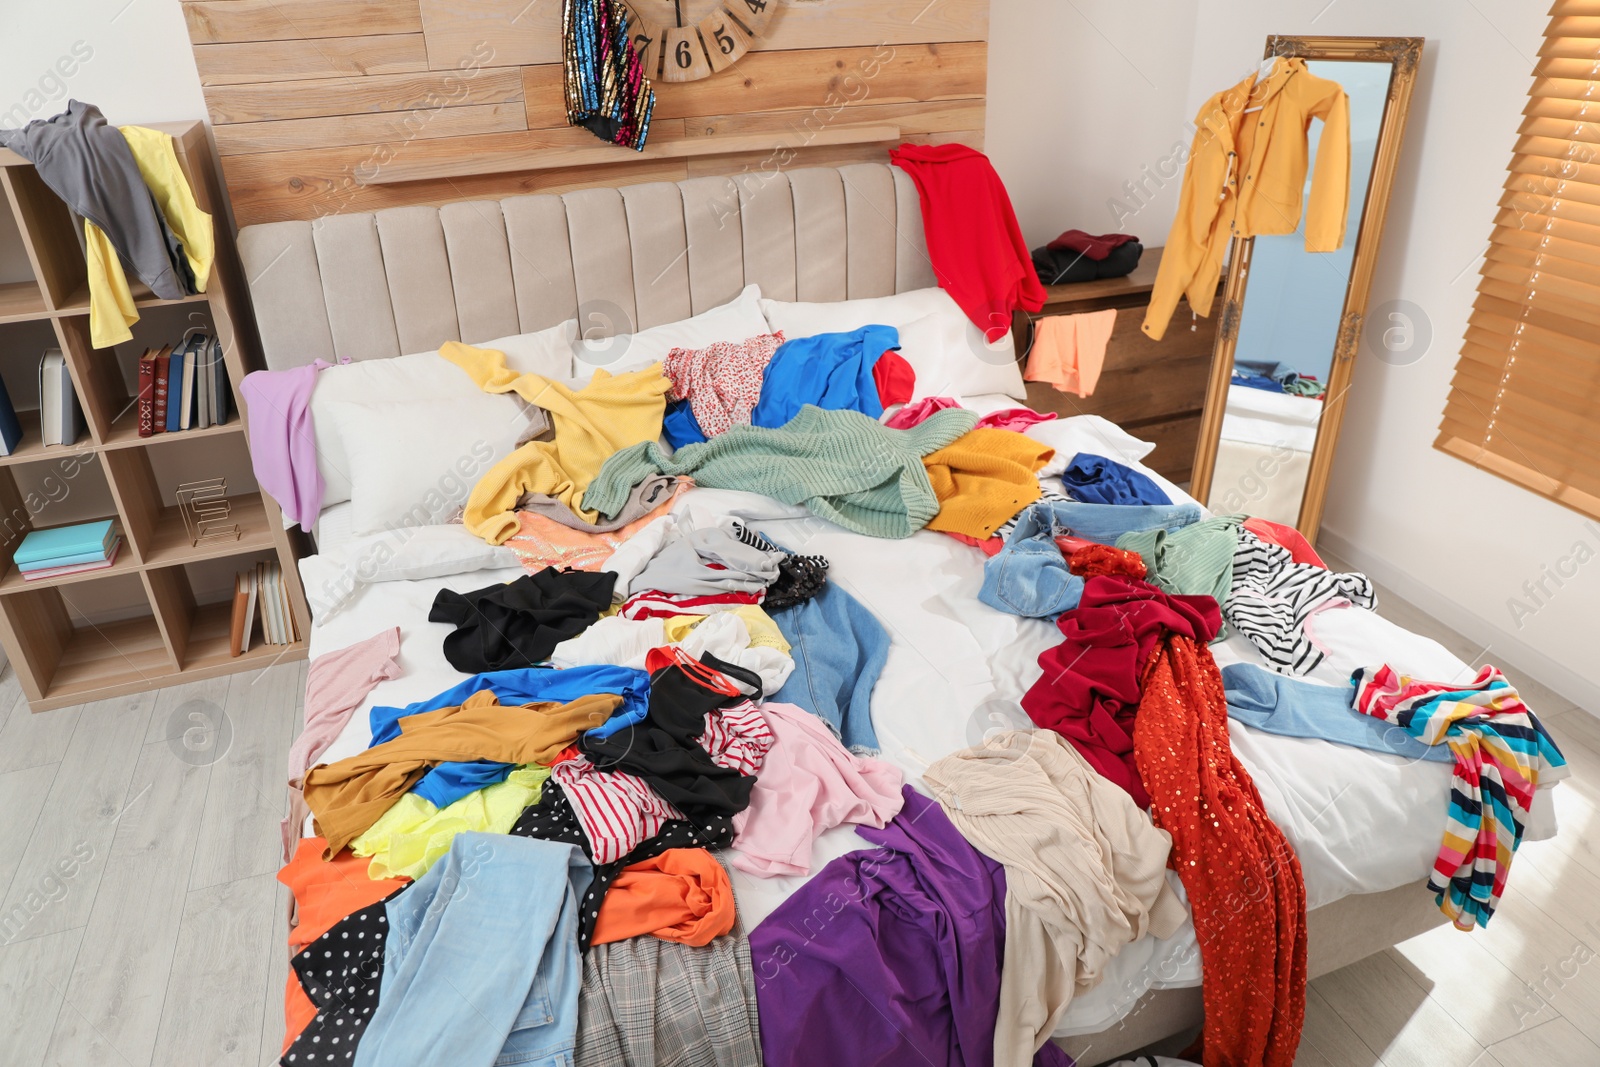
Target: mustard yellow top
(1246, 176)
(983, 479)
(111, 308)
(607, 415)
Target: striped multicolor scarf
(1501, 752)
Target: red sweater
(973, 238)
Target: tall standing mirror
(1291, 320)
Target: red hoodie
(973, 238)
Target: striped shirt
(1502, 754)
(653, 604)
(1272, 596)
(618, 811)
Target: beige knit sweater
(1085, 872)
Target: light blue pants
(1030, 577)
(481, 965)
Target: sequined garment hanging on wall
(607, 91)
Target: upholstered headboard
(381, 284)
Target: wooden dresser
(1153, 389)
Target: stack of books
(261, 589)
(183, 387)
(86, 546)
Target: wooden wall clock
(677, 46)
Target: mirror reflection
(1289, 327)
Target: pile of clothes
(535, 862)
(1272, 377)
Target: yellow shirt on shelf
(111, 308)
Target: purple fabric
(283, 441)
(887, 956)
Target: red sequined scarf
(1242, 877)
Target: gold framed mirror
(1286, 344)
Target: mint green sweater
(842, 465)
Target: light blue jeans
(481, 965)
(1029, 576)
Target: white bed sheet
(1255, 416)
(1359, 821)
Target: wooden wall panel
(234, 21)
(526, 33)
(323, 57)
(373, 94)
(326, 106)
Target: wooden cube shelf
(61, 658)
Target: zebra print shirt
(1272, 597)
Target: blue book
(95, 556)
(175, 388)
(62, 541)
(10, 428)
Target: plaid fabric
(653, 1003)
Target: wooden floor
(141, 923)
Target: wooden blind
(1525, 400)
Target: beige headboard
(381, 284)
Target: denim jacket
(1030, 577)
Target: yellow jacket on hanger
(111, 307)
(1246, 176)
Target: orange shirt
(681, 895)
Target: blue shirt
(449, 782)
(1274, 704)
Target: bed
(374, 286)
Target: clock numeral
(724, 42)
(641, 43)
(682, 55)
(756, 6)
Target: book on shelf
(175, 388)
(146, 400)
(54, 545)
(186, 410)
(163, 362)
(221, 395)
(240, 624)
(10, 426)
(60, 417)
(56, 571)
(251, 593)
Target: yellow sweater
(607, 415)
(984, 478)
(111, 308)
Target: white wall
(130, 58)
(1086, 101)
(1073, 112)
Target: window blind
(1525, 400)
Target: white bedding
(1359, 821)
(1255, 416)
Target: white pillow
(736, 320)
(421, 376)
(965, 364)
(330, 579)
(414, 462)
(1082, 433)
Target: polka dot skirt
(340, 972)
